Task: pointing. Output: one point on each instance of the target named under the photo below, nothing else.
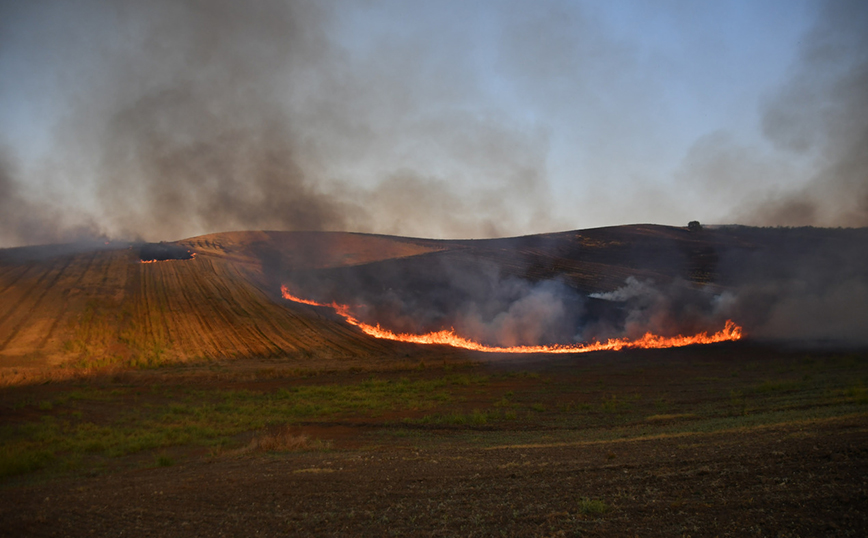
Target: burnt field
(186, 397)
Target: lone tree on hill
(694, 226)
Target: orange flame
(192, 255)
(730, 332)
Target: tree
(694, 226)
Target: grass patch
(614, 404)
(670, 417)
(110, 423)
(284, 441)
(476, 417)
(162, 460)
(22, 459)
(74, 427)
(859, 394)
(592, 507)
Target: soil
(803, 479)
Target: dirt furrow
(65, 304)
(34, 306)
(21, 271)
(238, 314)
(151, 335)
(223, 331)
(25, 294)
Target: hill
(98, 304)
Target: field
(185, 398)
(695, 441)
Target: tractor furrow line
(65, 306)
(21, 274)
(38, 300)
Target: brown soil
(803, 479)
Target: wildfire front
(730, 332)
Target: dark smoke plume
(188, 117)
(196, 135)
(822, 111)
(25, 221)
(802, 286)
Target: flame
(192, 255)
(730, 332)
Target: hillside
(69, 304)
(104, 306)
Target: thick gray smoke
(523, 313)
(195, 133)
(190, 117)
(822, 113)
(26, 220)
(806, 284)
(670, 309)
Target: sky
(163, 120)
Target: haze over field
(168, 119)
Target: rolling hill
(99, 305)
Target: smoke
(670, 309)
(795, 285)
(190, 131)
(481, 299)
(523, 313)
(189, 117)
(26, 221)
(802, 285)
(821, 112)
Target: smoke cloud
(673, 308)
(523, 313)
(807, 284)
(25, 221)
(803, 286)
(177, 118)
(822, 112)
(188, 117)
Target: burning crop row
(730, 332)
(164, 252)
(190, 257)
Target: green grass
(162, 460)
(176, 416)
(592, 507)
(477, 417)
(78, 427)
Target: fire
(730, 332)
(192, 255)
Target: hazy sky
(166, 119)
